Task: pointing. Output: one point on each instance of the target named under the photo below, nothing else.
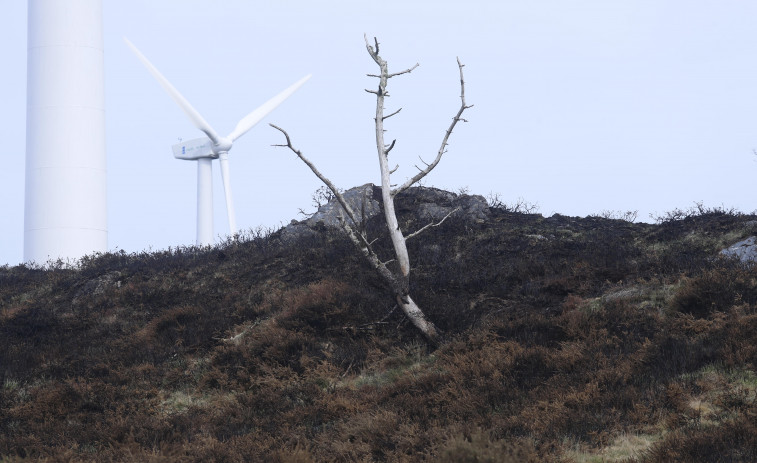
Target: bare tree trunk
(399, 284)
(402, 294)
(398, 239)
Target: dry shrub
(739, 340)
(317, 306)
(683, 344)
(170, 327)
(299, 454)
(479, 447)
(263, 348)
(731, 442)
(371, 433)
(716, 289)
(324, 291)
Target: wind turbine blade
(224, 159)
(256, 116)
(192, 113)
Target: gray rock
(422, 194)
(360, 199)
(296, 231)
(474, 206)
(745, 251)
(433, 204)
(428, 204)
(433, 212)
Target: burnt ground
(566, 339)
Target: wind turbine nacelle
(193, 150)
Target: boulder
(428, 204)
(362, 201)
(433, 204)
(745, 250)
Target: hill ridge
(569, 339)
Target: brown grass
(605, 341)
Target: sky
(580, 106)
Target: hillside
(566, 339)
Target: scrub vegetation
(566, 340)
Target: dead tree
(397, 280)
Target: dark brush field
(566, 340)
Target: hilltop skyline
(579, 108)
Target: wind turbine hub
(223, 146)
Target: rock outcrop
(427, 204)
(433, 204)
(745, 250)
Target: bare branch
(372, 91)
(305, 214)
(462, 82)
(390, 312)
(392, 114)
(371, 51)
(364, 327)
(462, 85)
(394, 170)
(442, 149)
(318, 174)
(386, 152)
(432, 224)
(406, 71)
(373, 75)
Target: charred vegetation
(568, 339)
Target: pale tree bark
(398, 282)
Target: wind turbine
(204, 150)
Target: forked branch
(445, 141)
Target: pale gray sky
(580, 105)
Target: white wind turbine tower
(65, 207)
(204, 150)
